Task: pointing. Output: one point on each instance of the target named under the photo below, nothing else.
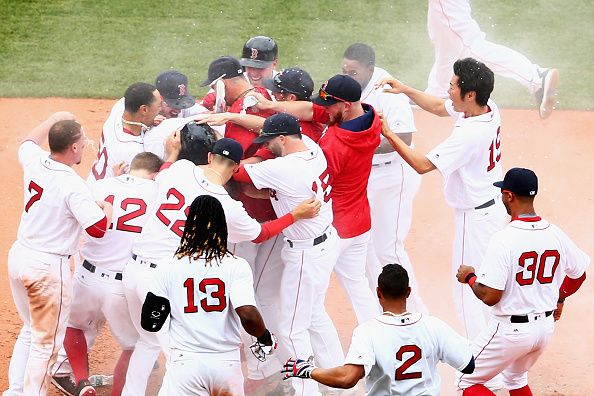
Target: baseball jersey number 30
(529, 261)
(216, 291)
(415, 357)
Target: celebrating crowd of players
(217, 223)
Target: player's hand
(120, 168)
(260, 349)
(463, 271)
(263, 103)
(386, 131)
(307, 209)
(557, 312)
(158, 119)
(173, 145)
(396, 86)
(215, 119)
(62, 116)
(298, 368)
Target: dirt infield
(560, 150)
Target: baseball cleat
(550, 79)
(65, 384)
(84, 388)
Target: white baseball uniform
(57, 206)
(178, 186)
(456, 35)
(391, 190)
(401, 352)
(204, 330)
(528, 261)
(309, 255)
(469, 160)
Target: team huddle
(208, 230)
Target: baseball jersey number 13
(415, 357)
(214, 289)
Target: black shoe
(65, 384)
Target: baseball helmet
(197, 140)
(259, 52)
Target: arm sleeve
(98, 229)
(319, 114)
(452, 153)
(274, 227)
(241, 227)
(242, 176)
(28, 151)
(361, 351)
(453, 348)
(241, 291)
(264, 153)
(83, 207)
(494, 270)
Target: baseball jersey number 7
(36, 195)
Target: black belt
(152, 265)
(486, 204)
(316, 241)
(524, 318)
(91, 268)
(382, 163)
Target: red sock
(119, 373)
(477, 390)
(75, 345)
(523, 391)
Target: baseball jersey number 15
(216, 291)
(322, 185)
(495, 151)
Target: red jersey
(259, 209)
(349, 157)
(312, 129)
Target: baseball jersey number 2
(495, 151)
(178, 225)
(216, 291)
(415, 357)
(530, 260)
(36, 195)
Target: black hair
(138, 94)
(360, 52)
(474, 76)
(63, 134)
(393, 281)
(205, 232)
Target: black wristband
(265, 338)
(470, 275)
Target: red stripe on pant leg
(476, 358)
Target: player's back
(400, 353)
(203, 298)
(537, 255)
(132, 198)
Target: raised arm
(302, 110)
(427, 102)
(38, 135)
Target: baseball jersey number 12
(216, 291)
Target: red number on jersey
(121, 223)
(495, 151)
(178, 225)
(216, 287)
(36, 195)
(529, 261)
(101, 161)
(415, 357)
(323, 185)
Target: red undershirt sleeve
(570, 286)
(242, 176)
(165, 165)
(98, 229)
(274, 227)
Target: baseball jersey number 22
(401, 373)
(214, 289)
(178, 225)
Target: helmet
(259, 52)
(197, 140)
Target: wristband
(265, 338)
(561, 300)
(470, 278)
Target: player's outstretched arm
(343, 377)
(252, 322)
(251, 122)
(38, 135)
(427, 102)
(302, 110)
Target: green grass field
(97, 48)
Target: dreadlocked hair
(205, 232)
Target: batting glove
(264, 346)
(298, 368)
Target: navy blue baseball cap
(291, 80)
(224, 67)
(340, 88)
(520, 181)
(276, 125)
(173, 86)
(228, 148)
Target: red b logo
(254, 54)
(182, 89)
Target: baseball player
(397, 352)
(456, 35)
(98, 292)
(124, 129)
(217, 295)
(348, 143)
(469, 160)
(58, 205)
(177, 185)
(177, 102)
(392, 182)
(310, 248)
(528, 271)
